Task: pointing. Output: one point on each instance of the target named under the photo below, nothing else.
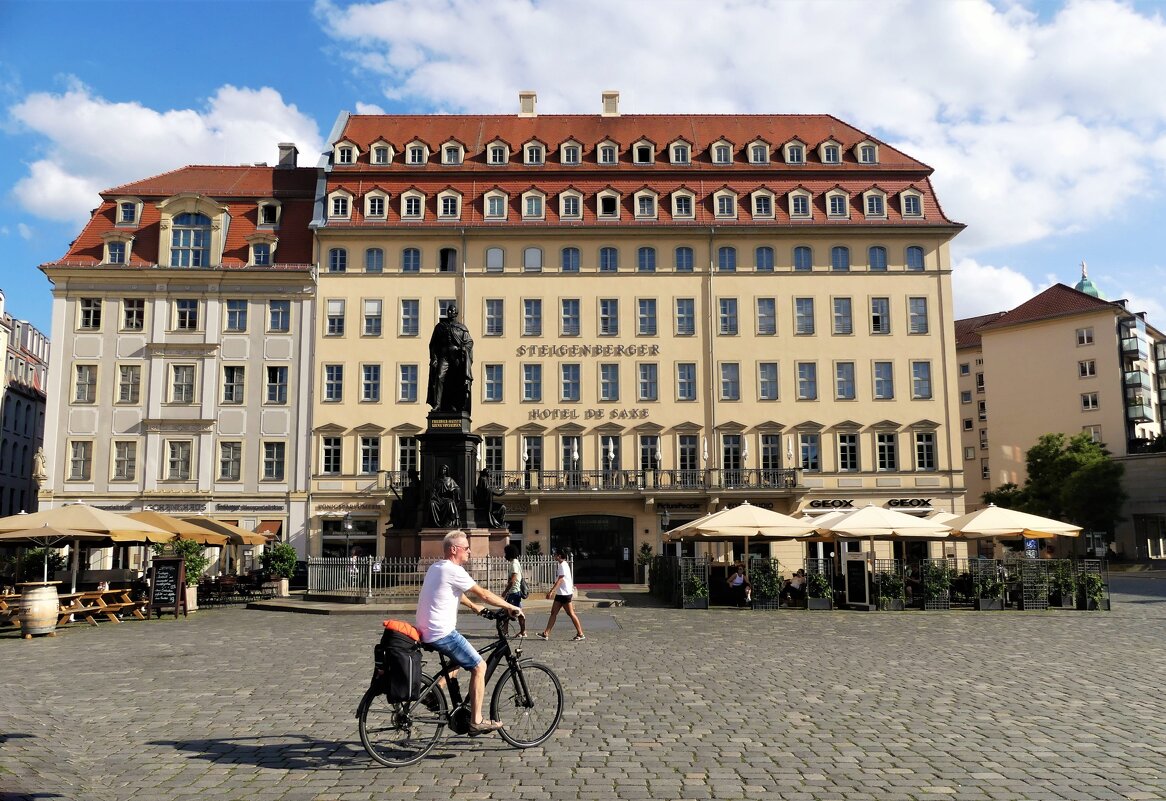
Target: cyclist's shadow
(300, 752)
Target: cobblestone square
(661, 703)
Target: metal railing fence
(370, 577)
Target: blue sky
(1044, 121)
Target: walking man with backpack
(446, 585)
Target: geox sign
(913, 503)
(832, 503)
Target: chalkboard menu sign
(168, 585)
(856, 581)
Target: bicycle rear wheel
(397, 734)
(529, 702)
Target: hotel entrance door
(601, 545)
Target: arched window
(447, 260)
(840, 259)
(684, 260)
(337, 260)
(914, 258)
(411, 260)
(190, 240)
(374, 260)
(532, 260)
(646, 260)
(803, 259)
(569, 262)
(877, 256)
(608, 260)
(727, 259)
(495, 260)
(763, 257)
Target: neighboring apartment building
(1067, 360)
(22, 411)
(670, 313)
(182, 349)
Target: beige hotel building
(671, 313)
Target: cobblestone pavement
(246, 705)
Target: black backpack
(398, 667)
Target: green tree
(1073, 479)
(1006, 496)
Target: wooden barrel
(38, 610)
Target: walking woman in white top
(562, 591)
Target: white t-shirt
(444, 585)
(567, 586)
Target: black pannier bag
(398, 665)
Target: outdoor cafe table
(9, 607)
(99, 603)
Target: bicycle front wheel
(397, 734)
(529, 702)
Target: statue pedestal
(483, 542)
(448, 443)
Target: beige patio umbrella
(746, 521)
(235, 536)
(875, 522)
(672, 535)
(46, 537)
(182, 528)
(996, 521)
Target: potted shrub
(989, 592)
(766, 583)
(279, 560)
(644, 561)
(818, 591)
(936, 585)
(1091, 592)
(1063, 588)
(892, 591)
(696, 592)
(194, 555)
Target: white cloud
(24, 231)
(93, 144)
(369, 108)
(983, 289)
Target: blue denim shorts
(514, 599)
(458, 649)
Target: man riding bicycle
(446, 584)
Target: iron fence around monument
(370, 577)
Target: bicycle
(528, 699)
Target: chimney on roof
(526, 104)
(288, 155)
(610, 104)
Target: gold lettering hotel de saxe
(671, 313)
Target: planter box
(1062, 602)
(819, 603)
(989, 604)
(696, 603)
(891, 604)
(1092, 606)
(766, 603)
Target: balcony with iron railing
(630, 481)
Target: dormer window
(830, 153)
(449, 205)
(376, 205)
(795, 153)
(837, 204)
(262, 249)
(129, 211)
(608, 202)
(681, 154)
(451, 155)
(722, 153)
(570, 153)
(499, 154)
(763, 204)
(683, 205)
(532, 205)
(867, 152)
(412, 205)
(571, 205)
(117, 247)
(496, 203)
(268, 213)
(911, 203)
(799, 205)
(875, 204)
(345, 155)
(418, 154)
(645, 204)
(381, 154)
(534, 155)
(339, 205)
(608, 153)
(725, 204)
(644, 153)
(759, 153)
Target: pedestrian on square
(513, 593)
(563, 592)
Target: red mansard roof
(1056, 301)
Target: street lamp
(347, 524)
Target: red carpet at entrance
(598, 586)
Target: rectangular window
(334, 325)
(804, 316)
(767, 381)
(277, 385)
(968, 424)
(230, 461)
(983, 439)
(236, 316)
(186, 314)
(810, 447)
(728, 317)
(370, 383)
(133, 312)
(844, 381)
(569, 260)
(609, 382)
(80, 460)
(686, 381)
(917, 316)
(279, 316)
(1087, 368)
(884, 380)
(373, 318)
(89, 310)
(646, 317)
(766, 317)
(571, 382)
(649, 383)
(982, 410)
(571, 154)
(1089, 401)
(129, 383)
(410, 318)
(684, 260)
(608, 317)
(569, 319)
(494, 317)
(969, 453)
(885, 448)
(333, 383)
(274, 459)
(532, 317)
(532, 382)
(921, 380)
(880, 315)
(492, 454)
(182, 383)
(233, 386)
(370, 455)
(330, 456)
(924, 450)
(1084, 336)
(843, 319)
(125, 461)
(685, 317)
(807, 381)
(492, 374)
(730, 381)
(408, 454)
(847, 453)
(178, 461)
(408, 383)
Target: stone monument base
(483, 542)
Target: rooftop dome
(1087, 286)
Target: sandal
(578, 637)
(543, 636)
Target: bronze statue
(494, 513)
(451, 362)
(403, 512)
(444, 499)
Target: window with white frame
(125, 461)
(1084, 336)
(844, 381)
(837, 204)
(645, 205)
(230, 461)
(884, 380)
(726, 204)
(129, 383)
(807, 380)
(277, 377)
(830, 153)
(921, 380)
(649, 383)
(608, 317)
(886, 451)
(234, 383)
(681, 154)
(532, 206)
(847, 452)
(924, 450)
(269, 213)
(795, 153)
(1086, 368)
(646, 317)
(911, 204)
(345, 153)
(494, 317)
(880, 315)
(683, 205)
(810, 449)
(570, 206)
(608, 203)
(609, 382)
(190, 240)
(759, 153)
(370, 383)
(570, 154)
(375, 204)
(260, 253)
(685, 317)
(417, 154)
(337, 260)
(722, 153)
(179, 460)
(334, 317)
(799, 205)
(532, 382)
(643, 153)
(278, 316)
(451, 154)
(412, 205)
(763, 205)
(1089, 402)
(570, 384)
(917, 319)
(767, 381)
(569, 317)
(727, 317)
(495, 203)
(686, 381)
(331, 455)
(868, 153)
(186, 314)
(534, 153)
(333, 383)
(340, 206)
(499, 154)
(607, 153)
(875, 205)
(843, 317)
(80, 460)
(532, 317)
(767, 317)
(410, 317)
(730, 381)
(449, 205)
(492, 375)
(236, 309)
(274, 461)
(407, 382)
(381, 154)
(128, 212)
(804, 316)
(85, 383)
